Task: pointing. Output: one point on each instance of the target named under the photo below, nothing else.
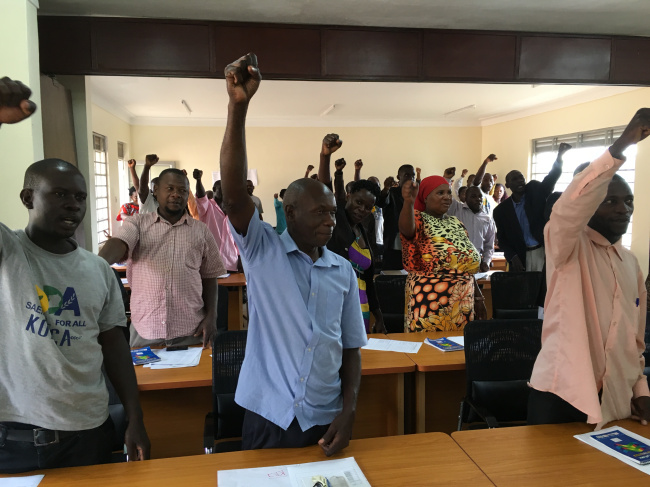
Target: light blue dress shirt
(302, 314)
(520, 210)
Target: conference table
(547, 455)
(431, 459)
(175, 401)
(439, 382)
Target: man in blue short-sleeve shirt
(300, 378)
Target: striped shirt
(165, 267)
(217, 222)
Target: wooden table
(235, 283)
(439, 382)
(548, 455)
(175, 401)
(415, 460)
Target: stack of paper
(392, 345)
(338, 473)
(31, 481)
(177, 359)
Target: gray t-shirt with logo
(53, 309)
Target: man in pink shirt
(213, 216)
(591, 365)
(172, 268)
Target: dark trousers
(87, 447)
(548, 408)
(258, 433)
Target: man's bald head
(300, 188)
(41, 169)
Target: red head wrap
(427, 185)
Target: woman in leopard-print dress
(440, 260)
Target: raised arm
(406, 221)
(478, 179)
(310, 168)
(556, 171)
(114, 250)
(358, 164)
(15, 104)
(242, 81)
(149, 161)
(200, 190)
(339, 183)
(458, 184)
(331, 143)
(134, 175)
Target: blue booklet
(443, 344)
(143, 356)
(636, 450)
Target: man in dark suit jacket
(520, 219)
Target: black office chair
(227, 417)
(499, 358)
(515, 294)
(390, 293)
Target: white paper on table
(30, 481)
(586, 437)
(178, 359)
(258, 477)
(223, 276)
(459, 340)
(386, 345)
(340, 473)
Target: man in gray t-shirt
(62, 319)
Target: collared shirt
(302, 314)
(149, 206)
(258, 203)
(165, 267)
(480, 228)
(281, 221)
(217, 222)
(595, 310)
(487, 203)
(520, 210)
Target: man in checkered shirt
(173, 264)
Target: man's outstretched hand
(243, 78)
(15, 104)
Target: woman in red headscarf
(441, 293)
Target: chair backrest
(499, 358)
(390, 293)
(515, 291)
(228, 353)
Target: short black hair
(462, 188)
(371, 187)
(404, 167)
(471, 188)
(131, 190)
(282, 191)
(36, 172)
(172, 170)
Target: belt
(37, 436)
(534, 247)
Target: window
(101, 186)
(587, 146)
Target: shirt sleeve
(576, 206)
(255, 244)
(211, 263)
(488, 242)
(353, 330)
(202, 207)
(112, 313)
(641, 387)
(129, 232)
(456, 187)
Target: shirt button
(296, 404)
(313, 294)
(302, 379)
(164, 322)
(309, 349)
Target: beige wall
(115, 130)
(511, 142)
(281, 155)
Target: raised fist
(197, 174)
(339, 164)
(358, 164)
(15, 104)
(151, 160)
(131, 163)
(449, 173)
(243, 78)
(331, 143)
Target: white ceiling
(621, 17)
(157, 101)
